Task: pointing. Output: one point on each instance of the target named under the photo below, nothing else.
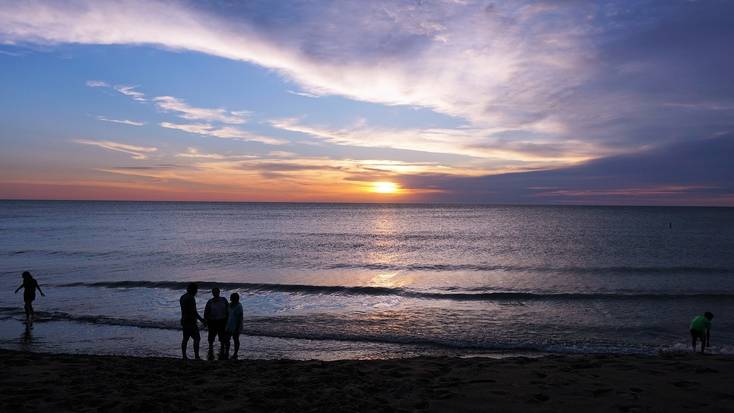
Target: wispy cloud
(396, 53)
(715, 106)
(217, 116)
(121, 121)
(130, 92)
(126, 90)
(581, 71)
(183, 110)
(13, 54)
(534, 83)
(282, 154)
(226, 132)
(304, 94)
(194, 153)
(467, 141)
(293, 178)
(136, 152)
(97, 83)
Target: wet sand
(671, 383)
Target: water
(370, 281)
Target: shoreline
(670, 382)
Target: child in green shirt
(701, 328)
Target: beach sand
(52, 382)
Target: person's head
(192, 288)
(27, 276)
(215, 292)
(234, 298)
(708, 315)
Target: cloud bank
(545, 83)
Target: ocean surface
(333, 281)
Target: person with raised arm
(29, 286)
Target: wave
(387, 291)
(514, 268)
(447, 343)
(384, 338)
(275, 257)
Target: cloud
(136, 152)
(226, 132)
(384, 52)
(538, 83)
(97, 83)
(304, 94)
(126, 90)
(130, 92)
(185, 111)
(196, 154)
(689, 173)
(121, 121)
(172, 104)
(467, 141)
(588, 72)
(282, 154)
(315, 178)
(12, 54)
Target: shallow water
(325, 281)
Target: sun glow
(385, 187)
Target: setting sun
(385, 187)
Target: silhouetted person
(215, 314)
(29, 286)
(189, 317)
(234, 324)
(701, 329)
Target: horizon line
(437, 203)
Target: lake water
(370, 281)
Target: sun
(385, 187)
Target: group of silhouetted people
(223, 320)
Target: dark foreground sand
(35, 382)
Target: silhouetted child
(234, 324)
(701, 329)
(29, 287)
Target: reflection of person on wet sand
(29, 286)
(26, 339)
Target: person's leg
(197, 339)
(223, 340)
(28, 308)
(236, 338)
(184, 344)
(225, 352)
(211, 335)
(693, 340)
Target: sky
(514, 102)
